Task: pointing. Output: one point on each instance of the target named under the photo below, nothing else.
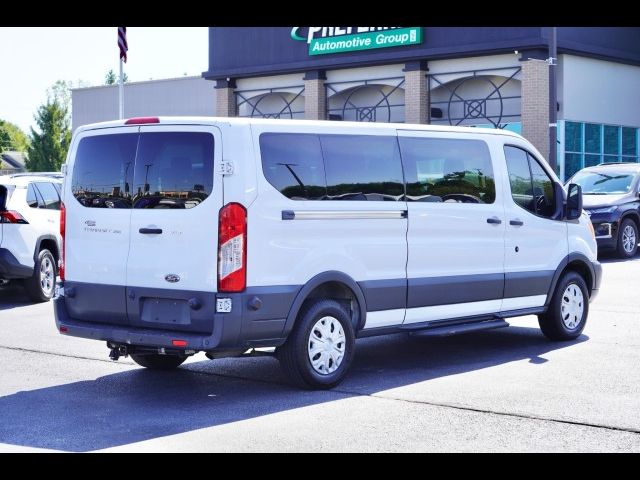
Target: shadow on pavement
(13, 296)
(137, 405)
(611, 257)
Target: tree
(49, 146)
(111, 78)
(5, 139)
(17, 140)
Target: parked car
(612, 200)
(30, 233)
(308, 234)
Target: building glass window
(611, 146)
(590, 160)
(573, 136)
(592, 138)
(588, 144)
(630, 143)
(572, 163)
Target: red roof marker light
(142, 120)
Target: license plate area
(165, 311)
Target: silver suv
(30, 243)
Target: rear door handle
(494, 221)
(516, 223)
(150, 231)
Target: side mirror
(574, 202)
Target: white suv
(217, 235)
(30, 232)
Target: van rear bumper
(240, 328)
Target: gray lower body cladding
(156, 317)
(259, 315)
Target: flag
(122, 43)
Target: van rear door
(172, 266)
(98, 202)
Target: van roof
(319, 123)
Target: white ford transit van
(220, 235)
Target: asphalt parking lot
(503, 390)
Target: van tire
(42, 289)
(158, 362)
(627, 238)
(553, 323)
(294, 355)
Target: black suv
(611, 198)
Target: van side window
(173, 170)
(362, 167)
(103, 170)
(447, 170)
(531, 187)
(292, 163)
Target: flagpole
(121, 91)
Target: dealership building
(487, 77)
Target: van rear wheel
(158, 362)
(567, 314)
(320, 348)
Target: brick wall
(415, 96)
(225, 102)
(315, 99)
(535, 104)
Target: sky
(33, 58)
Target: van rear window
(103, 170)
(172, 170)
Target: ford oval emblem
(172, 278)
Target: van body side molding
(342, 214)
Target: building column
(225, 98)
(535, 104)
(315, 95)
(416, 92)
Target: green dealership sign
(324, 40)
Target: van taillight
(63, 227)
(12, 217)
(232, 248)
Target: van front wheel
(158, 362)
(320, 348)
(567, 314)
